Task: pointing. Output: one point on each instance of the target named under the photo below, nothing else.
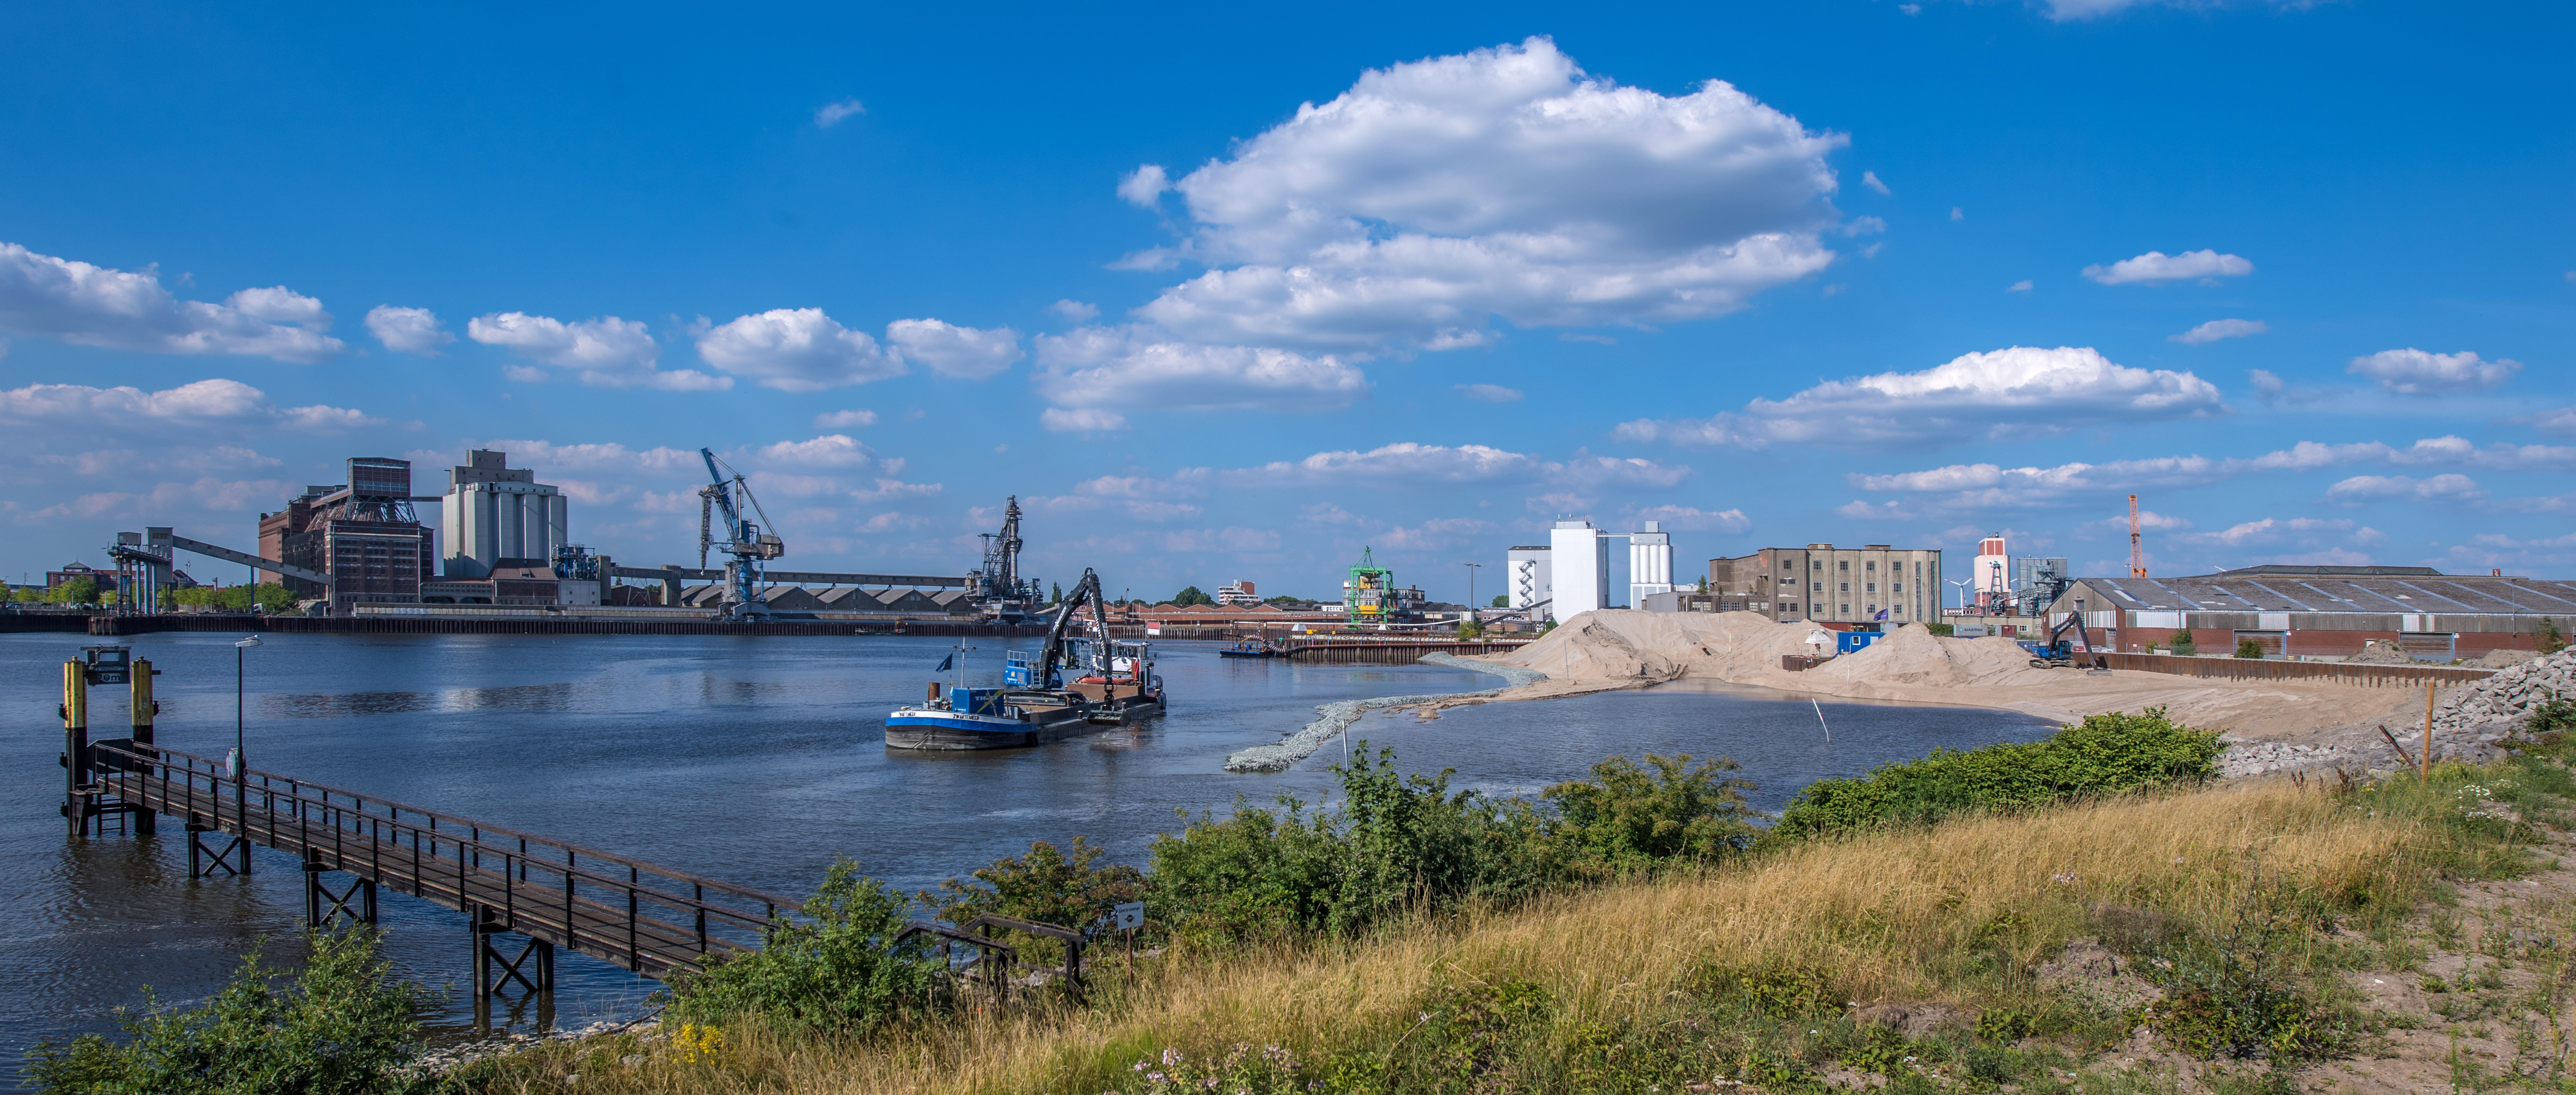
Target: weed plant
(2105, 754)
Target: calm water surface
(753, 760)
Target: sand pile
(2377, 652)
(1633, 649)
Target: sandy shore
(1597, 651)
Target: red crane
(2137, 553)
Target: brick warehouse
(2329, 611)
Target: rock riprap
(2499, 705)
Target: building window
(1846, 587)
(1843, 565)
(1846, 611)
(1897, 588)
(1899, 610)
(1873, 588)
(1820, 587)
(1873, 608)
(1871, 565)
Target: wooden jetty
(1348, 650)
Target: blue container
(1846, 642)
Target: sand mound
(1660, 646)
(2382, 653)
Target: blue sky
(1232, 294)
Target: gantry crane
(749, 546)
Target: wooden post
(2424, 763)
(75, 743)
(139, 695)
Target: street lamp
(1472, 568)
(239, 763)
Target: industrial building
(2330, 611)
(1239, 594)
(498, 517)
(1874, 583)
(1579, 562)
(1650, 563)
(1368, 595)
(362, 533)
(1529, 581)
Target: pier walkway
(646, 918)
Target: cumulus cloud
(2156, 268)
(2415, 372)
(1101, 367)
(1506, 181)
(2067, 10)
(1994, 395)
(214, 402)
(796, 350)
(607, 351)
(1490, 393)
(1691, 519)
(2557, 422)
(1081, 420)
(842, 420)
(962, 352)
(2267, 530)
(2217, 329)
(1075, 310)
(596, 456)
(2374, 488)
(2022, 286)
(832, 450)
(1411, 464)
(90, 305)
(1144, 186)
(831, 114)
(1870, 180)
(409, 330)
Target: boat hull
(944, 731)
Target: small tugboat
(1076, 685)
(1249, 648)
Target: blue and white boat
(1111, 684)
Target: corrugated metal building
(2322, 610)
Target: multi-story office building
(1874, 583)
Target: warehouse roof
(2337, 589)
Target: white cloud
(962, 352)
(598, 456)
(214, 402)
(1144, 186)
(89, 305)
(2004, 393)
(1490, 393)
(1958, 214)
(2415, 372)
(1689, 519)
(1859, 510)
(832, 450)
(2067, 10)
(2156, 267)
(2217, 329)
(843, 420)
(832, 114)
(796, 350)
(1081, 420)
(409, 330)
(1505, 181)
(1100, 367)
(2264, 531)
(1870, 180)
(2369, 488)
(1407, 463)
(1075, 311)
(2022, 286)
(607, 351)
(2558, 422)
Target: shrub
(2104, 754)
(2234, 993)
(2547, 638)
(1068, 889)
(1940, 629)
(2182, 645)
(344, 1025)
(840, 973)
(1628, 819)
(2249, 649)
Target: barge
(1076, 685)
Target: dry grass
(1889, 916)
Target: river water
(752, 760)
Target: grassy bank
(1934, 955)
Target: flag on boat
(944, 663)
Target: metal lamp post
(241, 763)
(1472, 568)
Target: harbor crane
(744, 541)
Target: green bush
(2182, 645)
(1944, 630)
(343, 1027)
(2104, 754)
(1627, 819)
(842, 973)
(1069, 889)
(2547, 638)
(2249, 649)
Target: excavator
(2066, 646)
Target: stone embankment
(2468, 726)
(2499, 705)
(1279, 755)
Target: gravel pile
(2264, 758)
(2498, 705)
(1287, 751)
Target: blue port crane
(744, 540)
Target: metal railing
(645, 917)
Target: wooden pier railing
(646, 918)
